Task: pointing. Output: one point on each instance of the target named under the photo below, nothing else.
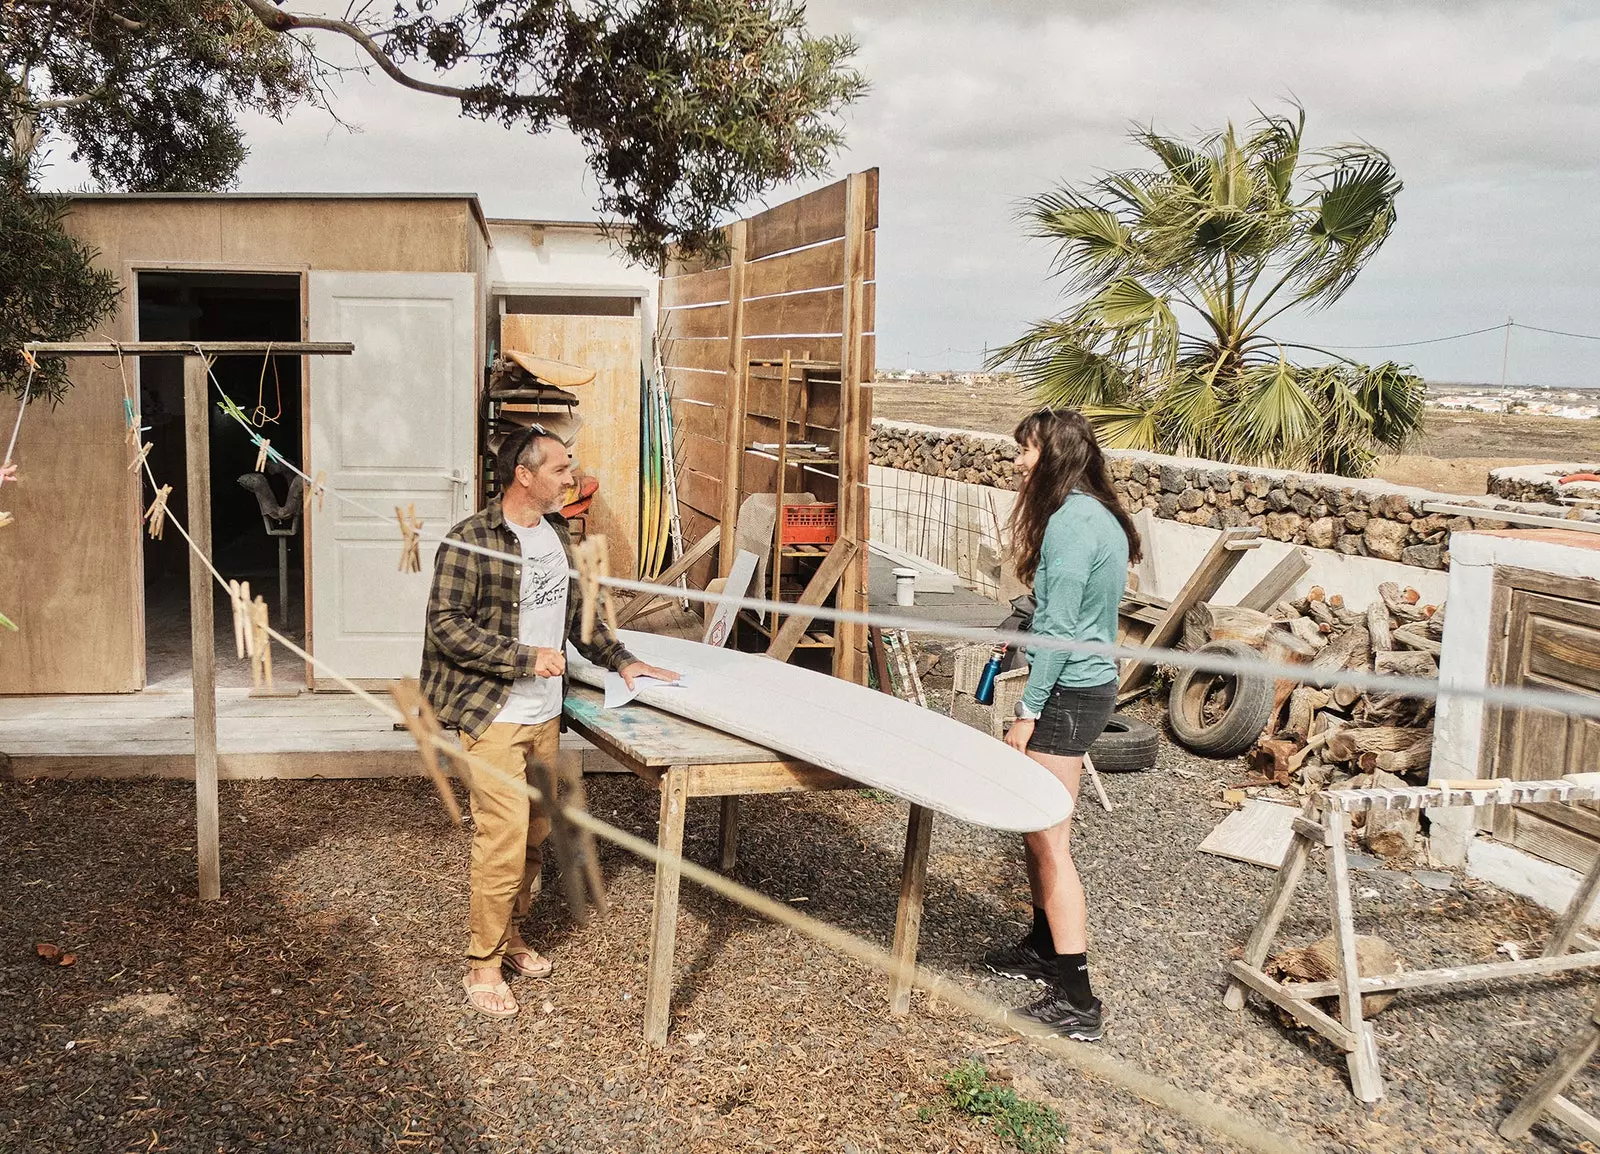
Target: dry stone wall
(1360, 517)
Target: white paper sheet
(618, 694)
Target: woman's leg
(1052, 876)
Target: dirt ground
(1453, 455)
(317, 1006)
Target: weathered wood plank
(809, 219)
(696, 288)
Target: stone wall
(1542, 482)
(1359, 517)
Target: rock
(1233, 516)
(1190, 499)
(1139, 473)
(1351, 545)
(1302, 504)
(1427, 556)
(1385, 538)
(1283, 526)
(1167, 506)
(1355, 520)
(1392, 506)
(1134, 490)
(1216, 479)
(1322, 533)
(1172, 479)
(1236, 491)
(1277, 500)
(1200, 516)
(1259, 486)
(1121, 469)
(1255, 506)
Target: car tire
(1246, 712)
(1127, 745)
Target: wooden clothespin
(423, 725)
(314, 488)
(139, 457)
(594, 563)
(244, 637)
(156, 515)
(260, 648)
(5, 519)
(411, 549)
(263, 451)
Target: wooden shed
(412, 280)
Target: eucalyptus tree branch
(68, 101)
(276, 19)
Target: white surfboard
(860, 733)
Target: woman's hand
(1020, 733)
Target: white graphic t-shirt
(542, 615)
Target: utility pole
(1505, 355)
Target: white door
(392, 424)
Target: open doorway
(256, 532)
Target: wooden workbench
(685, 760)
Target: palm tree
(1227, 236)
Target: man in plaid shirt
(492, 665)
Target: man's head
(534, 468)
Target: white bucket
(905, 586)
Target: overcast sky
(1490, 110)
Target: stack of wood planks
(1319, 738)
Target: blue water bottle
(985, 693)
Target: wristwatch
(1024, 713)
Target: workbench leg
(908, 921)
(1572, 921)
(1288, 880)
(728, 834)
(664, 917)
(1574, 1056)
(203, 642)
(1365, 1080)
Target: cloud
(1489, 108)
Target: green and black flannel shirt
(470, 651)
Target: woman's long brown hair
(1069, 459)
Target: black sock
(1072, 979)
(1039, 937)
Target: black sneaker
(1061, 1019)
(1021, 961)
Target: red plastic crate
(809, 524)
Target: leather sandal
(475, 995)
(540, 967)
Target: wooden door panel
(1551, 643)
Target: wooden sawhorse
(1325, 823)
(685, 760)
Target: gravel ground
(317, 1006)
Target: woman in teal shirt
(1071, 537)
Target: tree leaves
(1217, 229)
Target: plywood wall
(799, 278)
(607, 447)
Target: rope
(1518, 697)
(27, 392)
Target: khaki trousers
(509, 833)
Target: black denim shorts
(1072, 719)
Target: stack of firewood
(1339, 736)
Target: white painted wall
(532, 258)
(957, 525)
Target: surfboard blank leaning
(857, 732)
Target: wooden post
(908, 919)
(728, 833)
(1365, 1079)
(664, 917)
(855, 424)
(202, 635)
(738, 375)
(1283, 888)
(1544, 1094)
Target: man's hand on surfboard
(549, 663)
(640, 669)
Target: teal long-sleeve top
(1083, 571)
